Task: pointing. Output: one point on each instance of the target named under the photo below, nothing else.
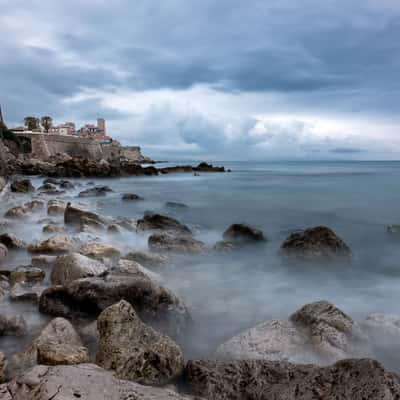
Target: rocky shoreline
(114, 331)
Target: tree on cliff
(46, 123)
(31, 123)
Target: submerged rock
(75, 266)
(22, 186)
(263, 380)
(27, 274)
(162, 223)
(242, 234)
(147, 259)
(13, 326)
(95, 191)
(55, 244)
(84, 382)
(130, 197)
(176, 244)
(176, 206)
(314, 243)
(88, 297)
(317, 333)
(135, 351)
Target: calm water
(228, 293)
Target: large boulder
(95, 191)
(74, 266)
(76, 215)
(99, 251)
(55, 244)
(317, 333)
(12, 326)
(162, 242)
(162, 223)
(84, 382)
(148, 259)
(352, 379)
(22, 186)
(319, 242)
(11, 241)
(243, 234)
(135, 351)
(58, 343)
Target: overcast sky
(211, 79)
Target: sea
(230, 292)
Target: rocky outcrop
(22, 186)
(84, 382)
(75, 266)
(262, 380)
(135, 351)
(58, 343)
(55, 244)
(176, 244)
(162, 223)
(147, 259)
(88, 297)
(315, 243)
(202, 167)
(317, 333)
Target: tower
(101, 125)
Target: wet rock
(3, 366)
(204, 167)
(91, 224)
(224, 246)
(153, 359)
(47, 187)
(55, 207)
(147, 259)
(176, 206)
(67, 185)
(176, 244)
(74, 215)
(52, 181)
(53, 228)
(130, 197)
(99, 251)
(113, 228)
(11, 241)
(35, 205)
(3, 252)
(75, 266)
(25, 293)
(315, 243)
(243, 234)
(17, 212)
(262, 380)
(55, 244)
(317, 333)
(127, 223)
(27, 274)
(22, 186)
(13, 326)
(84, 382)
(162, 223)
(58, 343)
(88, 297)
(95, 191)
(43, 261)
(129, 267)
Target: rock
(74, 215)
(73, 266)
(243, 234)
(3, 252)
(176, 206)
(17, 212)
(263, 380)
(13, 326)
(91, 224)
(176, 244)
(135, 351)
(11, 241)
(84, 382)
(55, 244)
(67, 185)
(130, 197)
(55, 207)
(204, 167)
(162, 223)
(147, 259)
(53, 228)
(99, 251)
(315, 243)
(88, 297)
(224, 246)
(25, 293)
(58, 343)
(317, 333)
(3, 366)
(127, 223)
(35, 205)
(129, 267)
(52, 181)
(43, 261)
(27, 274)
(95, 191)
(47, 187)
(113, 228)
(22, 186)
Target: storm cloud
(227, 79)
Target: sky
(211, 79)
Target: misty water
(228, 293)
